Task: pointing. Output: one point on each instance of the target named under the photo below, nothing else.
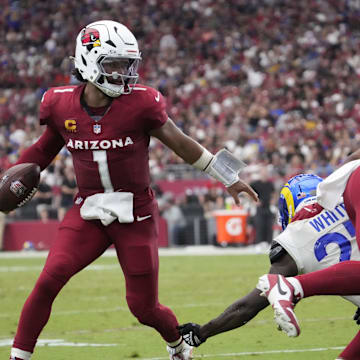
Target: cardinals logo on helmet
(90, 38)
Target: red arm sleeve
(44, 150)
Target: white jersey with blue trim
(320, 241)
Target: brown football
(18, 185)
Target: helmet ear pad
(102, 40)
(298, 189)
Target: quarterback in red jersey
(106, 124)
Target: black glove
(357, 316)
(191, 334)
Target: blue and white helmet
(299, 188)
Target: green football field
(90, 319)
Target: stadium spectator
(263, 219)
(172, 213)
(213, 199)
(43, 199)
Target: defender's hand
(239, 187)
(357, 316)
(191, 334)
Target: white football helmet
(107, 55)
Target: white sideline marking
(256, 353)
(203, 250)
(61, 342)
(58, 342)
(38, 268)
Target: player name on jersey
(99, 144)
(328, 218)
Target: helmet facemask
(118, 74)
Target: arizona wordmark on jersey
(98, 144)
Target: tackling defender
(340, 279)
(301, 248)
(106, 124)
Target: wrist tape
(223, 166)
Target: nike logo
(157, 97)
(290, 310)
(281, 291)
(142, 218)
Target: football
(18, 185)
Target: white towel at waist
(330, 191)
(107, 207)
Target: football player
(302, 247)
(340, 279)
(106, 123)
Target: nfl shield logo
(18, 188)
(97, 128)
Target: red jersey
(110, 154)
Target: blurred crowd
(277, 82)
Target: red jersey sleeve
(45, 108)
(156, 112)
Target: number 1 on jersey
(100, 157)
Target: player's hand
(191, 334)
(239, 187)
(357, 316)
